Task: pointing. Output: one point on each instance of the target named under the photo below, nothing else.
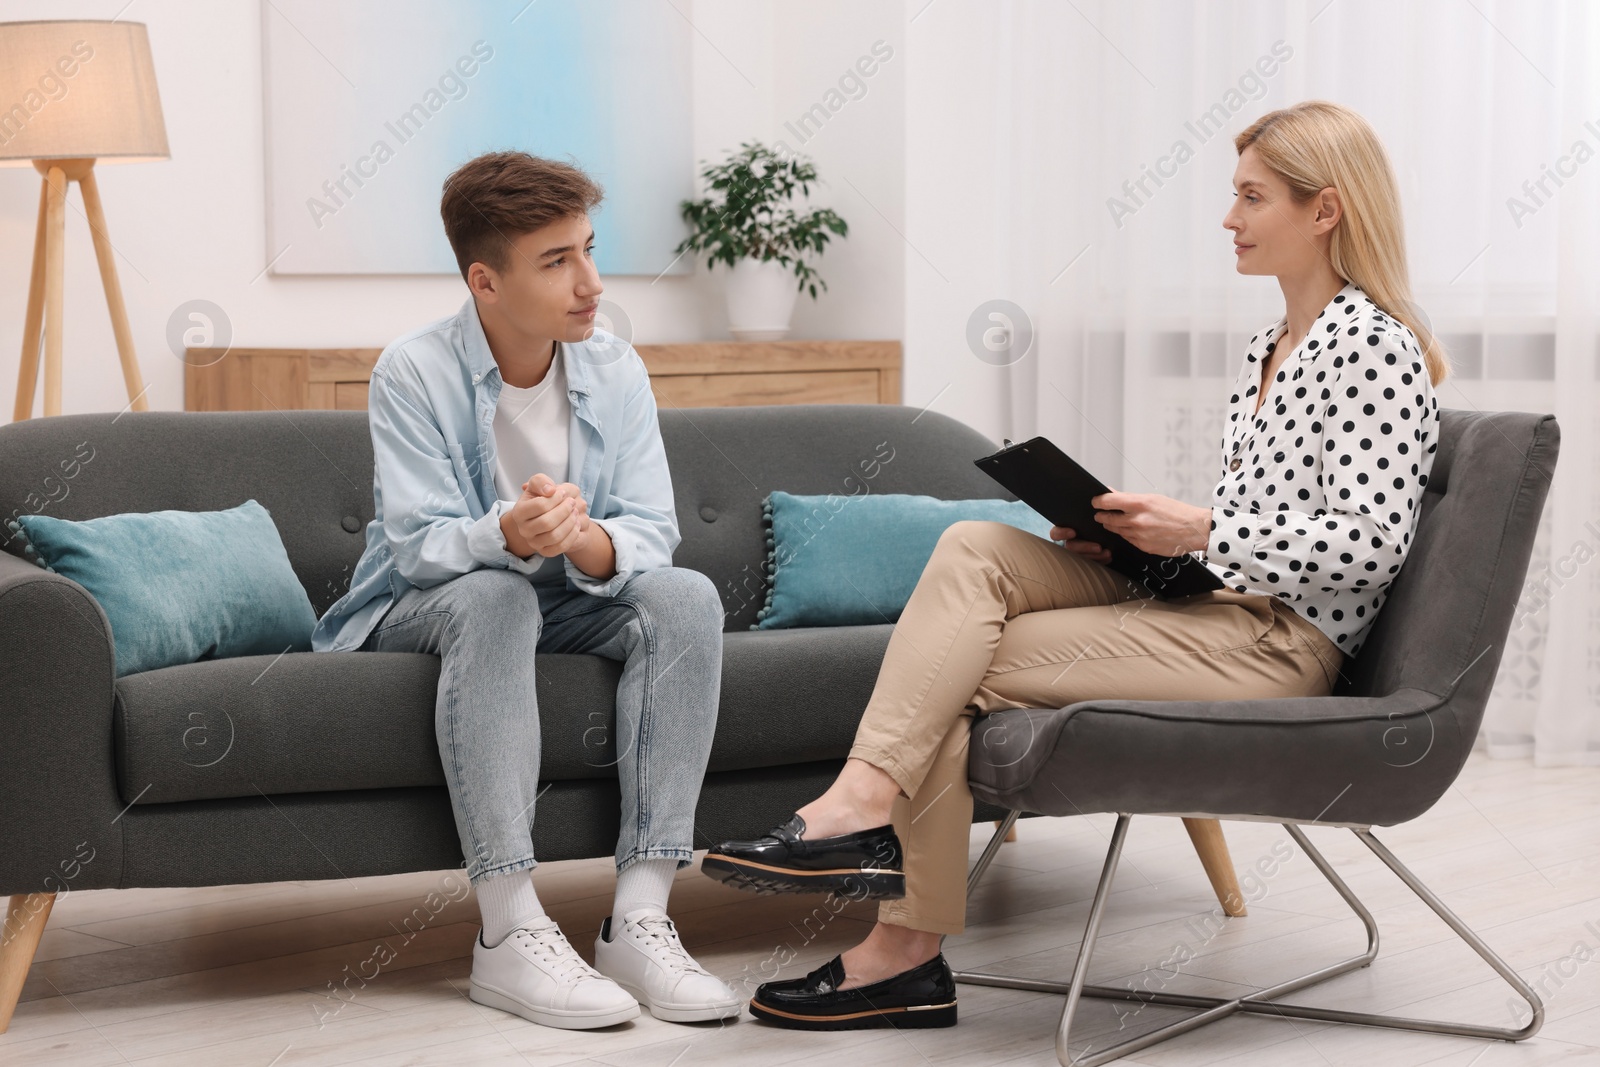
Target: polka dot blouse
(1321, 487)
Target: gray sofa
(324, 765)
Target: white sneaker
(537, 974)
(646, 958)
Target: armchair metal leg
(1001, 830)
(1262, 1001)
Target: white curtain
(1072, 136)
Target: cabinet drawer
(797, 387)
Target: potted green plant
(747, 221)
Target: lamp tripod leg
(33, 323)
(105, 254)
(55, 249)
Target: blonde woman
(1331, 432)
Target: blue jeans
(664, 625)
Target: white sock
(643, 885)
(507, 901)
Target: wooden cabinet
(268, 379)
(699, 374)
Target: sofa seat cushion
(313, 721)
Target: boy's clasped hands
(549, 518)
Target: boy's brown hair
(499, 196)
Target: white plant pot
(760, 299)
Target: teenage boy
(523, 505)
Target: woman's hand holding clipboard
(1091, 550)
(1054, 485)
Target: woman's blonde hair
(1317, 143)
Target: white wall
(193, 227)
(958, 251)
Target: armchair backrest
(1450, 608)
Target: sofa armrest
(59, 806)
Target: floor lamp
(77, 92)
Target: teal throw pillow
(181, 586)
(837, 560)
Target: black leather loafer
(863, 865)
(924, 996)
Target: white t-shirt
(530, 431)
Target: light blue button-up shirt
(431, 403)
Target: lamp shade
(78, 90)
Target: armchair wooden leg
(25, 919)
(1213, 850)
(1011, 833)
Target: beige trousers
(1002, 618)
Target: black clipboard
(1053, 484)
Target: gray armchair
(1380, 750)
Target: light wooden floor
(250, 975)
